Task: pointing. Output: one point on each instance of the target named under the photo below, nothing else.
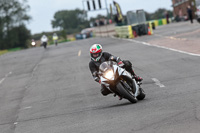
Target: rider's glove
(96, 77)
(121, 64)
(95, 74)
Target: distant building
(180, 8)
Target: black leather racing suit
(94, 67)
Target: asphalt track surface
(52, 91)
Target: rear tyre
(142, 94)
(126, 93)
(45, 45)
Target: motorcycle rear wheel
(142, 94)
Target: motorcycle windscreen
(105, 66)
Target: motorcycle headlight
(33, 43)
(109, 74)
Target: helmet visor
(95, 55)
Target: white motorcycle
(120, 82)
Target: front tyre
(126, 93)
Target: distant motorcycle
(120, 82)
(33, 44)
(55, 38)
(44, 41)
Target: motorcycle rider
(44, 39)
(98, 57)
(55, 38)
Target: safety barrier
(153, 24)
(140, 29)
(159, 22)
(150, 28)
(104, 31)
(130, 31)
(164, 21)
(124, 31)
(156, 23)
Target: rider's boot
(120, 98)
(137, 78)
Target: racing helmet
(96, 52)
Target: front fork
(137, 86)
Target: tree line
(13, 31)
(158, 14)
(73, 21)
(13, 17)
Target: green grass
(63, 41)
(59, 41)
(14, 49)
(3, 51)
(9, 50)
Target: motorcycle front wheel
(126, 92)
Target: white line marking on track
(34, 69)
(1, 81)
(157, 82)
(148, 44)
(171, 37)
(29, 107)
(8, 74)
(79, 53)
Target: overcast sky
(42, 11)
